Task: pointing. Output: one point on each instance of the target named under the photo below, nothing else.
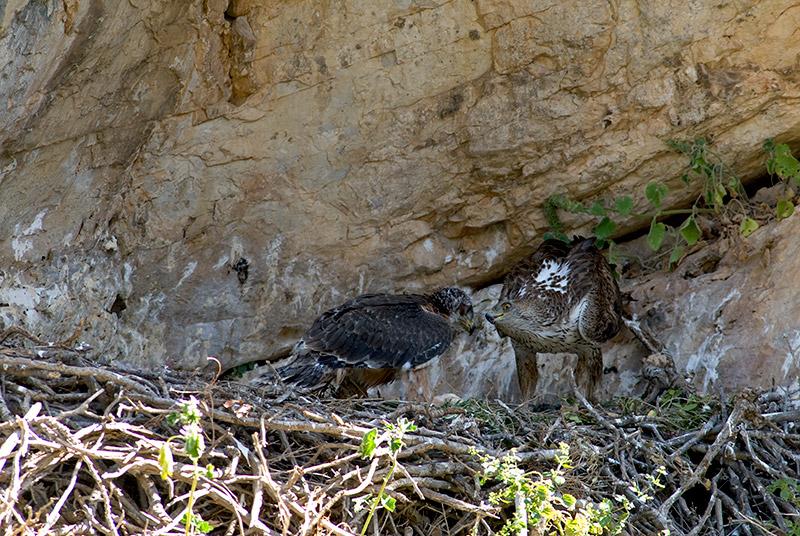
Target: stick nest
(79, 448)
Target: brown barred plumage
(564, 298)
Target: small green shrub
(685, 411)
(547, 507)
(392, 437)
(193, 446)
(782, 163)
(677, 409)
(788, 489)
(721, 191)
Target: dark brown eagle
(563, 298)
(377, 335)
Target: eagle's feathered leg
(418, 385)
(598, 321)
(527, 370)
(589, 371)
(356, 383)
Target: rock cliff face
(202, 178)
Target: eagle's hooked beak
(492, 318)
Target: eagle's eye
(506, 306)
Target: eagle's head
(454, 303)
(516, 317)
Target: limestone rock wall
(186, 179)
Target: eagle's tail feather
(307, 372)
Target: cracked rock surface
(203, 178)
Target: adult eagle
(563, 298)
(377, 335)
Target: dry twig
(79, 448)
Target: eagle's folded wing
(379, 332)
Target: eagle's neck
(441, 303)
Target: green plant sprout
(782, 163)
(720, 191)
(541, 504)
(193, 446)
(392, 436)
(788, 489)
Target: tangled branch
(79, 446)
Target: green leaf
(597, 209)
(190, 412)
(624, 205)
(676, 255)
(604, 229)
(569, 500)
(719, 196)
(680, 146)
(786, 166)
(165, 461)
(556, 235)
(656, 235)
(368, 443)
(194, 444)
(698, 163)
(748, 227)
(388, 502)
(655, 193)
(210, 471)
(196, 522)
(565, 203)
(690, 231)
(784, 209)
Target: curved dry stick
(153, 498)
(53, 515)
(728, 430)
(21, 366)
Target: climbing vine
(782, 163)
(721, 191)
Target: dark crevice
(706, 265)
(229, 16)
(242, 269)
(238, 41)
(118, 306)
(238, 370)
(757, 183)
